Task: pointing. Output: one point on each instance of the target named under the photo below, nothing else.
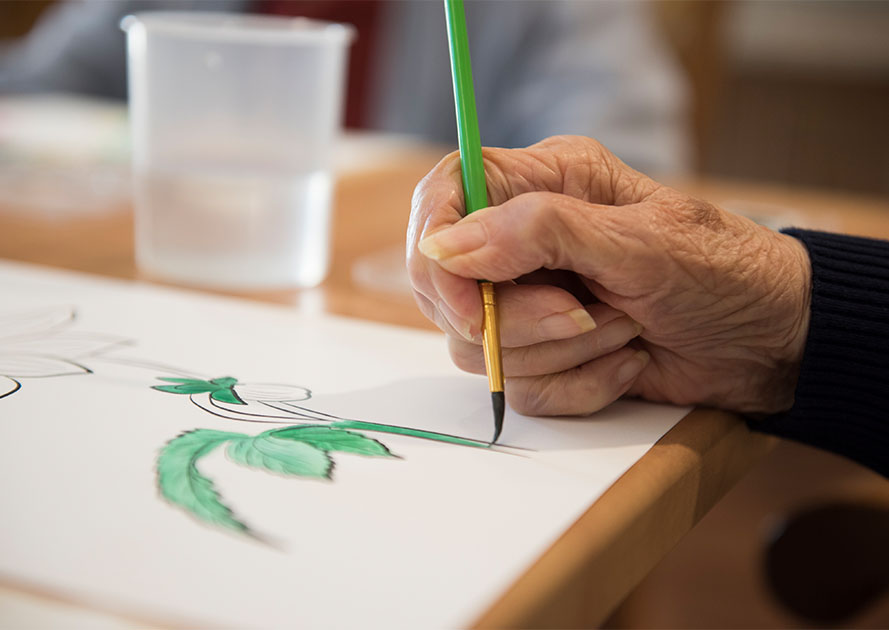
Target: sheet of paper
(248, 488)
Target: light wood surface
(596, 563)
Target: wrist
(797, 285)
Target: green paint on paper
(182, 484)
(330, 438)
(417, 433)
(298, 451)
(285, 457)
(220, 389)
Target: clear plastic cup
(234, 119)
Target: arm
(841, 401)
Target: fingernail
(457, 323)
(617, 333)
(631, 368)
(458, 239)
(565, 325)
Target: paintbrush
(475, 191)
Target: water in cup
(234, 229)
(234, 119)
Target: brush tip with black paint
(498, 401)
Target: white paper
(427, 540)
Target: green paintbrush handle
(474, 187)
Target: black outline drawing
(31, 334)
(302, 428)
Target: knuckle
(465, 356)
(447, 166)
(565, 140)
(599, 390)
(439, 185)
(527, 360)
(417, 196)
(597, 152)
(424, 305)
(419, 278)
(699, 213)
(595, 400)
(519, 398)
(542, 211)
(419, 206)
(533, 396)
(556, 395)
(439, 320)
(567, 224)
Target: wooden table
(596, 563)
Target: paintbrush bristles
(498, 401)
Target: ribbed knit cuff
(842, 397)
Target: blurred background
(793, 96)
(785, 92)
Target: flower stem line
(417, 433)
(347, 423)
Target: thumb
(528, 232)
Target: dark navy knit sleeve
(842, 398)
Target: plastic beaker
(234, 119)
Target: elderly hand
(609, 284)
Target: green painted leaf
(332, 439)
(227, 396)
(284, 457)
(186, 388)
(181, 483)
(220, 389)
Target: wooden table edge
(595, 564)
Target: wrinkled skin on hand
(609, 284)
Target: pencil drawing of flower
(271, 392)
(37, 344)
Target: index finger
(574, 166)
(438, 203)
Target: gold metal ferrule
(491, 338)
